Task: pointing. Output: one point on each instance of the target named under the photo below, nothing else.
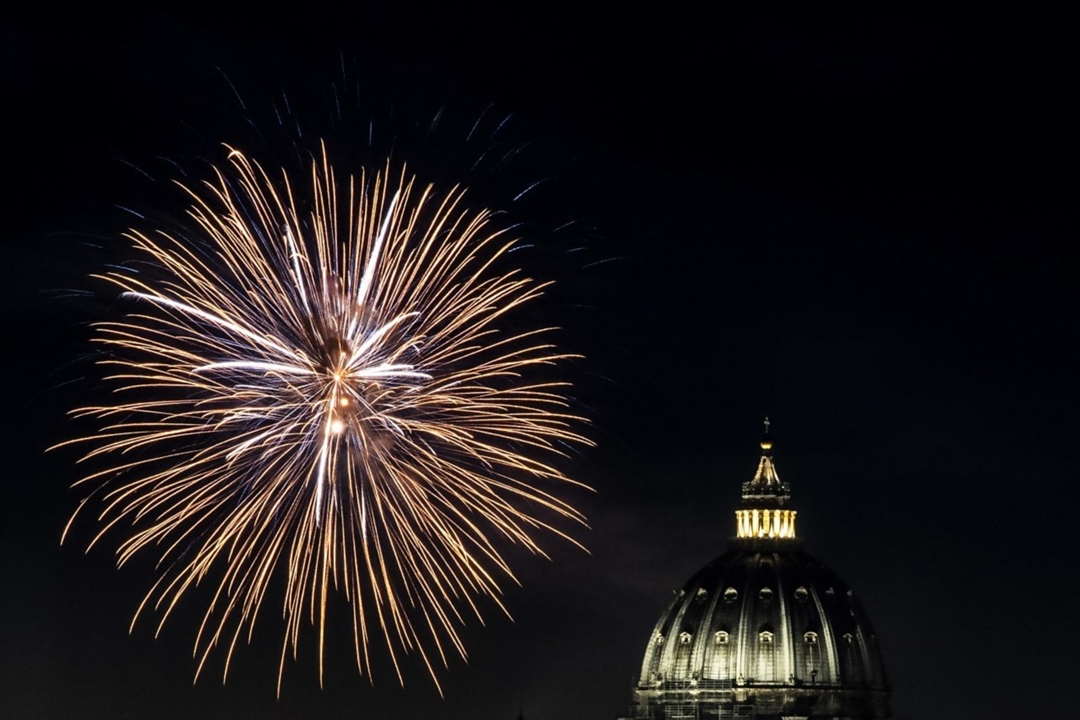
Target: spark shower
(317, 392)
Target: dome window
(848, 638)
(658, 639)
(721, 637)
(702, 593)
(684, 638)
(731, 594)
(810, 638)
(801, 593)
(767, 637)
(765, 594)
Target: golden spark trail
(316, 395)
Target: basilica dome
(764, 630)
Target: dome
(764, 630)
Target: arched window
(765, 594)
(684, 638)
(767, 637)
(731, 594)
(801, 593)
(810, 638)
(721, 637)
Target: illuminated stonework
(765, 523)
(764, 631)
(764, 512)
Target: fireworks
(316, 391)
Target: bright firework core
(315, 385)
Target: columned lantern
(765, 510)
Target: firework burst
(319, 393)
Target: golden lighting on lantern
(764, 513)
(765, 523)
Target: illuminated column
(762, 523)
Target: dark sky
(860, 226)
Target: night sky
(860, 226)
